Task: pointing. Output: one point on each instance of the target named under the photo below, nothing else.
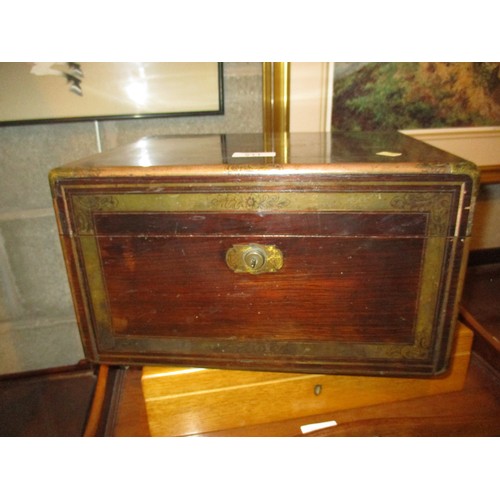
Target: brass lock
(253, 258)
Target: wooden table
(474, 411)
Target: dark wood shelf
(480, 307)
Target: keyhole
(254, 259)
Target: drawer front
(367, 280)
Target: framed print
(47, 91)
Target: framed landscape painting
(415, 95)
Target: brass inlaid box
(323, 253)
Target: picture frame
(61, 92)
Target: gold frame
(276, 97)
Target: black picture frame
(71, 85)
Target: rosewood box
(323, 253)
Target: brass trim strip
(437, 206)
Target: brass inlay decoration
(254, 201)
(419, 350)
(436, 205)
(84, 206)
(253, 258)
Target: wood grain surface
(184, 401)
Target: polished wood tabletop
(473, 411)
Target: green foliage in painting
(392, 96)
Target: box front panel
(344, 289)
(367, 273)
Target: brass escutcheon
(254, 258)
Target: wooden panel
(169, 291)
(316, 224)
(184, 401)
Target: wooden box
(321, 253)
(183, 401)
